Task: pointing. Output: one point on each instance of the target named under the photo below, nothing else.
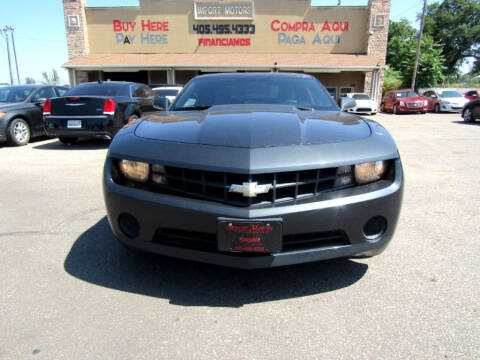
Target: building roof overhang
(325, 63)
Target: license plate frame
(74, 124)
(250, 235)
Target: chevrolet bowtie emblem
(250, 189)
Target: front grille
(364, 109)
(208, 242)
(415, 104)
(215, 186)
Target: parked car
(471, 111)
(168, 91)
(254, 170)
(403, 101)
(21, 111)
(359, 103)
(98, 109)
(444, 100)
(472, 95)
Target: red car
(472, 95)
(403, 101)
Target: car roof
(165, 85)
(33, 86)
(403, 90)
(255, 74)
(107, 82)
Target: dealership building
(171, 41)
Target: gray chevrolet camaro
(254, 170)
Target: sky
(41, 44)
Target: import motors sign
(230, 10)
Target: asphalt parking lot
(70, 291)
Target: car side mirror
(433, 96)
(161, 103)
(347, 103)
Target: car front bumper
(450, 108)
(408, 109)
(346, 210)
(362, 110)
(91, 126)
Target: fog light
(129, 225)
(375, 227)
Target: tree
(401, 51)
(476, 67)
(392, 80)
(29, 80)
(401, 37)
(456, 25)
(52, 79)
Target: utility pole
(5, 29)
(15, 53)
(419, 44)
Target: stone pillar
(77, 34)
(379, 17)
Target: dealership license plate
(257, 236)
(74, 124)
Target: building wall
(377, 43)
(280, 26)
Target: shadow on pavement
(466, 123)
(87, 144)
(98, 258)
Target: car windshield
(98, 89)
(302, 92)
(449, 94)
(361, 97)
(406, 94)
(15, 93)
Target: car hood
(251, 126)
(455, 100)
(411, 99)
(365, 102)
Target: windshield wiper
(195, 107)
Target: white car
(444, 100)
(168, 91)
(359, 103)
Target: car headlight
(134, 170)
(402, 103)
(425, 102)
(371, 171)
(2, 114)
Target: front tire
(395, 111)
(436, 108)
(19, 132)
(68, 140)
(382, 107)
(468, 116)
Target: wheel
(468, 116)
(382, 107)
(68, 140)
(395, 111)
(436, 108)
(19, 132)
(423, 112)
